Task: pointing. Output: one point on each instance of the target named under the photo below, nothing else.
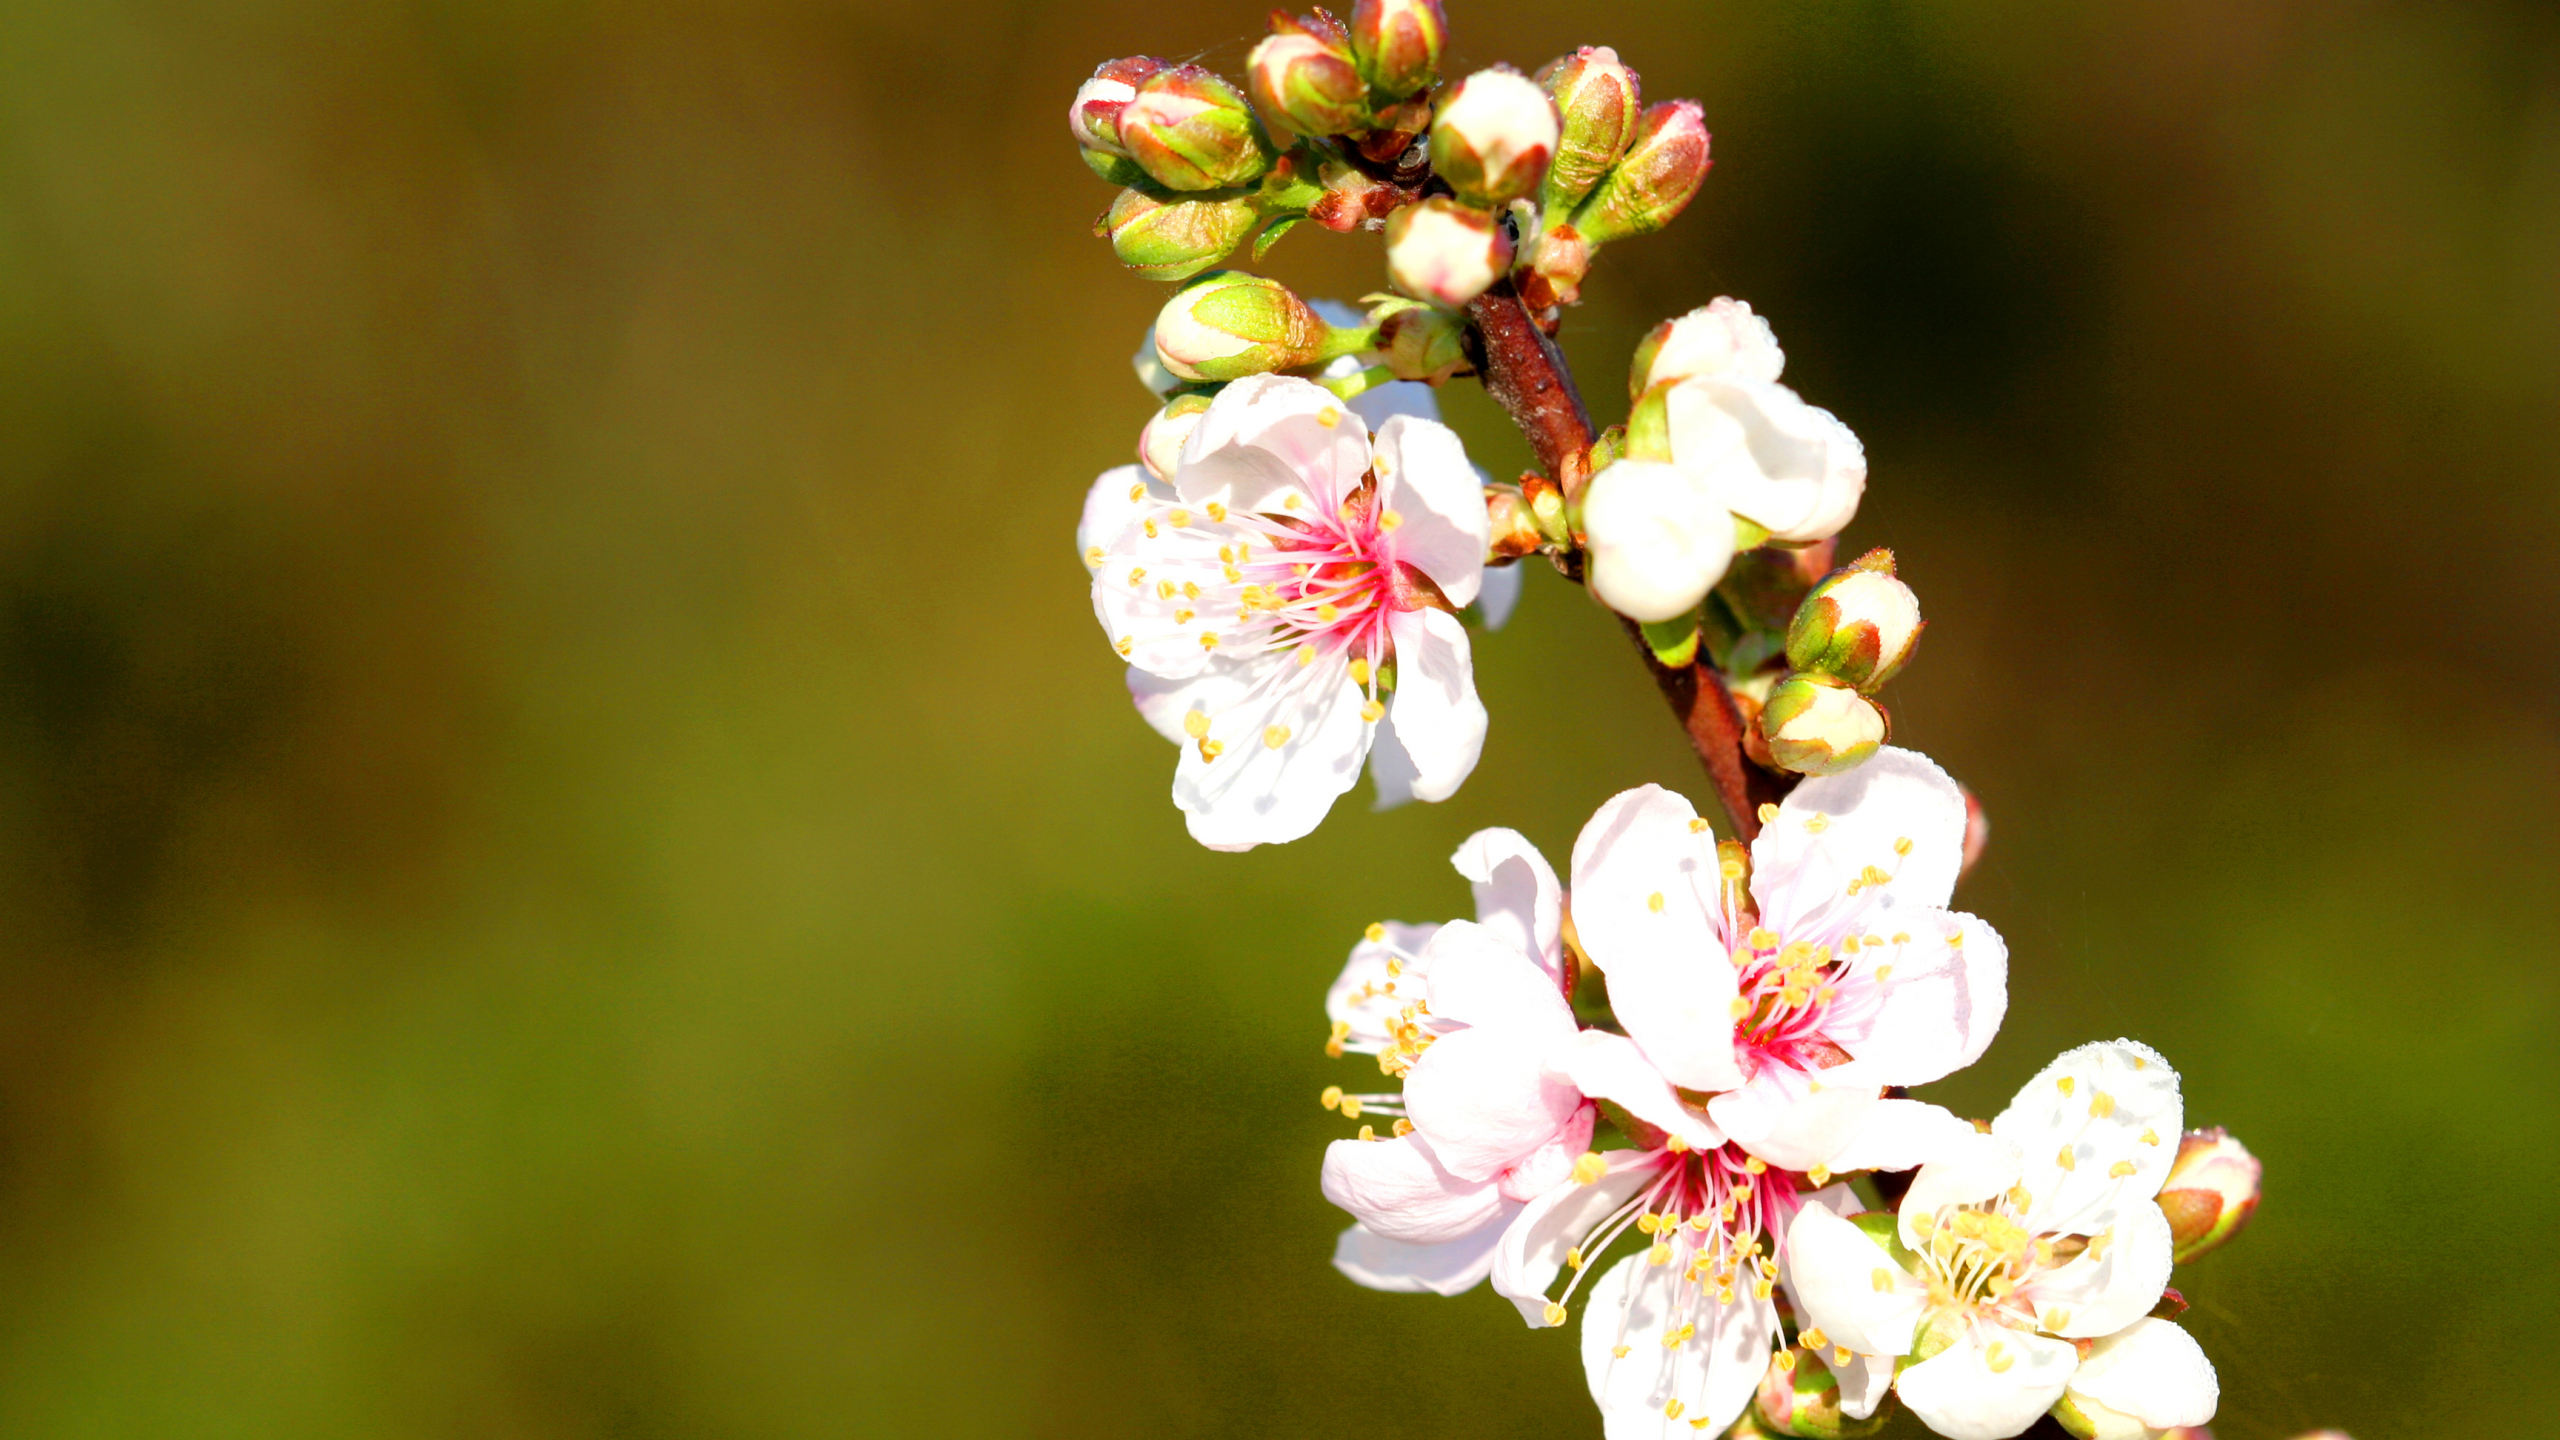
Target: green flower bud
(1228, 324)
(1656, 180)
(1398, 43)
(1305, 79)
(1160, 443)
(1421, 342)
(1799, 1396)
(1175, 238)
(2211, 1192)
(1094, 116)
(1557, 261)
(1598, 100)
(1858, 626)
(1445, 252)
(1817, 726)
(1492, 137)
(1192, 131)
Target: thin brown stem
(1706, 711)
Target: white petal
(1863, 1383)
(1902, 1135)
(1535, 1246)
(1399, 1189)
(1449, 1268)
(1610, 1067)
(1790, 467)
(1161, 628)
(1423, 476)
(1391, 770)
(1480, 977)
(2086, 1297)
(1989, 1385)
(1380, 403)
(1163, 700)
(1644, 891)
(2153, 1371)
(2097, 1103)
(1970, 1174)
(1937, 1011)
(1439, 720)
(1551, 1164)
(1109, 508)
(1517, 894)
(1833, 1267)
(1781, 1117)
(1712, 1374)
(1365, 997)
(1721, 337)
(1500, 594)
(1254, 794)
(1266, 436)
(1660, 538)
(1484, 1102)
(1831, 828)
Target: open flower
(2039, 1235)
(1795, 987)
(1298, 570)
(1466, 1018)
(1791, 468)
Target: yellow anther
(1672, 1410)
(2056, 1319)
(1760, 1288)
(1292, 501)
(1762, 938)
(1275, 736)
(1359, 672)
(1208, 640)
(1814, 1339)
(2063, 1084)
(2150, 1137)
(1195, 723)
(1219, 512)
(1331, 1097)
(1817, 824)
(1180, 518)
(1367, 1132)
(2101, 1104)
(1883, 973)
(1882, 1279)
(1874, 876)
(1753, 1164)
(1820, 1175)
(1573, 1258)
(1740, 1007)
(1676, 1145)
(1618, 1350)
(1184, 617)
(2139, 1062)
(1840, 1355)
(1350, 1107)
(1554, 1313)
(2064, 1159)
(1328, 613)
(1124, 645)
(1138, 491)
(1376, 933)
(1190, 590)
(1646, 1223)
(1653, 902)
(1231, 575)
(1373, 710)
(1767, 812)
(1394, 966)
(1210, 749)
(1388, 519)
(1149, 526)
(1902, 846)
(1787, 1360)
(1093, 557)
(2120, 1169)
(1227, 554)
(1999, 1358)
(1742, 1191)
(1702, 1222)
(1402, 1127)
(1328, 417)
(1306, 655)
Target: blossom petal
(1644, 887)
(2107, 1287)
(1938, 1009)
(1154, 627)
(1391, 769)
(1500, 594)
(1792, 1121)
(1439, 720)
(1364, 996)
(1480, 978)
(2153, 1371)
(1535, 1246)
(1267, 436)
(1969, 1174)
(1991, 1384)
(1790, 467)
(1483, 1101)
(1449, 1268)
(1712, 1374)
(2112, 1107)
(1832, 828)
(1110, 506)
(1551, 1164)
(1901, 1135)
(1399, 1189)
(1864, 1380)
(1424, 477)
(1834, 1269)
(1254, 793)
(1517, 895)
(1610, 1067)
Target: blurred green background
(572, 864)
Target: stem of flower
(1525, 373)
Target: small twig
(1705, 709)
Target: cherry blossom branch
(1526, 374)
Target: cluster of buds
(1317, 77)
(1620, 170)
(1853, 632)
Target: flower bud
(1597, 100)
(1160, 443)
(1445, 252)
(1398, 43)
(1721, 337)
(1802, 1398)
(1150, 367)
(1858, 626)
(1423, 342)
(1190, 130)
(1977, 831)
(1493, 136)
(1094, 116)
(1175, 238)
(1816, 726)
(1558, 259)
(1656, 180)
(2211, 1192)
(1228, 324)
(1659, 539)
(1304, 78)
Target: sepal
(1859, 626)
(1818, 726)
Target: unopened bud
(1305, 79)
(1558, 259)
(1445, 252)
(1977, 830)
(1598, 100)
(1659, 539)
(1160, 443)
(2144, 1379)
(1858, 626)
(1658, 177)
(1721, 337)
(1422, 342)
(1094, 117)
(1398, 43)
(1816, 726)
(1175, 238)
(1802, 1397)
(1493, 137)
(2211, 1192)
(1228, 324)
(1191, 130)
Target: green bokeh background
(572, 863)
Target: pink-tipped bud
(1305, 80)
(1445, 252)
(1160, 443)
(1658, 177)
(1721, 337)
(1599, 100)
(1191, 130)
(1858, 626)
(1817, 726)
(1398, 43)
(1977, 831)
(2211, 1192)
(1175, 238)
(1493, 136)
(1093, 118)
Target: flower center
(1980, 1259)
(1707, 1213)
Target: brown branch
(1526, 374)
